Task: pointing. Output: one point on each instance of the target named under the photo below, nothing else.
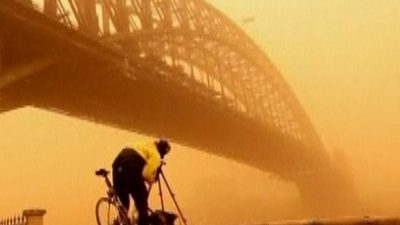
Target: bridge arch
(271, 121)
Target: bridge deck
(79, 76)
(89, 80)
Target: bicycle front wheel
(106, 212)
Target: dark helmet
(163, 146)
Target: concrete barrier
(28, 217)
(34, 216)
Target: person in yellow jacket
(132, 168)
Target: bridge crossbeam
(20, 72)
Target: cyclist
(132, 168)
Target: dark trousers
(128, 180)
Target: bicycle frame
(122, 218)
(113, 198)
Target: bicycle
(116, 214)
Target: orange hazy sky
(341, 59)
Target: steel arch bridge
(177, 68)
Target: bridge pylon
(328, 193)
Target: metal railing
(28, 217)
(14, 220)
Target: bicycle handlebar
(102, 172)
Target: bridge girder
(179, 26)
(20, 72)
(220, 57)
(209, 44)
(192, 34)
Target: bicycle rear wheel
(106, 212)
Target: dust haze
(339, 57)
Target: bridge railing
(27, 217)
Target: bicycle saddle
(102, 172)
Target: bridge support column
(328, 193)
(106, 19)
(87, 10)
(147, 24)
(123, 18)
(50, 8)
(1, 56)
(90, 13)
(147, 21)
(166, 7)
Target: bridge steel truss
(204, 44)
(196, 47)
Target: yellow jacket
(149, 152)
